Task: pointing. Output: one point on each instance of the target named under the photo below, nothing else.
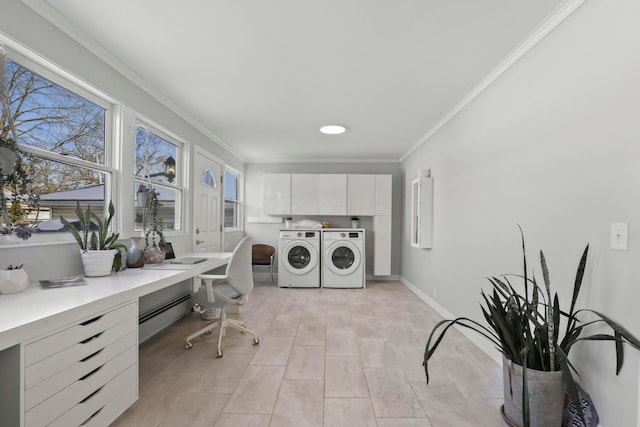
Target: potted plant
(154, 235)
(13, 279)
(525, 327)
(18, 199)
(355, 221)
(100, 250)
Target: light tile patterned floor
(327, 357)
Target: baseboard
(390, 278)
(473, 337)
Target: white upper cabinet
(277, 194)
(304, 194)
(332, 194)
(383, 195)
(361, 191)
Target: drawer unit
(78, 375)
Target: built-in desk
(49, 338)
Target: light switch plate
(619, 236)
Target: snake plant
(525, 327)
(92, 232)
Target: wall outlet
(619, 236)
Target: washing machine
(343, 258)
(299, 259)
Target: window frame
(110, 168)
(239, 201)
(180, 181)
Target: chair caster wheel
(219, 354)
(208, 332)
(256, 341)
(188, 346)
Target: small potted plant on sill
(525, 327)
(154, 235)
(355, 222)
(100, 250)
(13, 279)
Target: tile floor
(327, 357)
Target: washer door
(299, 257)
(343, 257)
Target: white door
(207, 202)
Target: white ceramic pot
(97, 263)
(13, 281)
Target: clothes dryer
(299, 259)
(343, 258)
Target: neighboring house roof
(96, 193)
(89, 193)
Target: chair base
(224, 323)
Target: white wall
(269, 233)
(552, 145)
(21, 25)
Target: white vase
(13, 281)
(97, 263)
(354, 223)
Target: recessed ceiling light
(332, 129)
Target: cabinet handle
(91, 338)
(92, 355)
(90, 396)
(89, 374)
(92, 415)
(87, 322)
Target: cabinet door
(382, 245)
(277, 194)
(332, 194)
(361, 194)
(383, 195)
(304, 194)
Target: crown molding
(559, 14)
(48, 12)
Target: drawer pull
(88, 322)
(91, 373)
(93, 415)
(92, 355)
(92, 338)
(90, 396)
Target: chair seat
(261, 262)
(225, 290)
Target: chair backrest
(261, 251)
(239, 273)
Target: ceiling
(264, 76)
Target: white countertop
(26, 315)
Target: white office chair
(238, 283)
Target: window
(232, 199)
(66, 130)
(157, 165)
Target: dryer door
(343, 257)
(299, 257)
